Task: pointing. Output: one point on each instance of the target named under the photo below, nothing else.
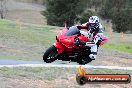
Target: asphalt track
(20, 63)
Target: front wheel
(50, 55)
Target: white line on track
(67, 66)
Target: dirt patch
(109, 57)
(25, 12)
(26, 16)
(16, 5)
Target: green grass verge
(28, 32)
(117, 43)
(122, 47)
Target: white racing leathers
(93, 39)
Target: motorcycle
(65, 48)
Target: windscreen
(72, 31)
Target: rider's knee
(93, 55)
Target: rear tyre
(50, 55)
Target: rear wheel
(50, 55)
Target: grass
(19, 42)
(37, 73)
(14, 58)
(28, 33)
(117, 43)
(51, 73)
(122, 47)
(108, 71)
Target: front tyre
(50, 55)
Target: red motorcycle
(64, 48)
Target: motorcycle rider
(94, 34)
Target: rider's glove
(77, 42)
